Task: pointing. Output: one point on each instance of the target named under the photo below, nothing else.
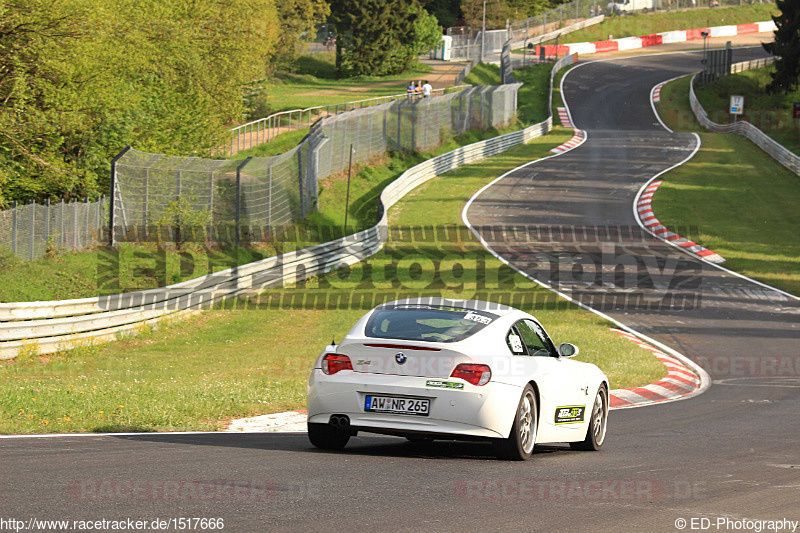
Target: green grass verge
(280, 144)
(199, 374)
(745, 205)
(646, 24)
(314, 84)
(771, 113)
(484, 74)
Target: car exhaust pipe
(340, 422)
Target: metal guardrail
(47, 327)
(265, 129)
(777, 151)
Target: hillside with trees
(80, 79)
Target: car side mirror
(566, 349)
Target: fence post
(300, 181)
(239, 198)
(61, 217)
(99, 211)
(112, 194)
(88, 226)
(147, 203)
(210, 228)
(31, 241)
(74, 224)
(14, 227)
(414, 125)
(269, 197)
(399, 120)
(47, 223)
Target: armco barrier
(51, 326)
(778, 152)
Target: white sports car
(429, 368)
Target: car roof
(435, 301)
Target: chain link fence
(160, 196)
(32, 230)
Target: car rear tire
(327, 437)
(519, 444)
(598, 420)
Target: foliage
(447, 12)
(83, 78)
(380, 37)
(786, 47)
(298, 18)
(426, 34)
(496, 13)
(184, 219)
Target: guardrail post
(14, 227)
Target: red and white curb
(657, 91)
(679, 382)
(644, 211)
(667, 37)
(576, 141)
(563, 116)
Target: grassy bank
(314, 83)
(74, 274)
(771, 113)
(645, 24)
(745, 205)
(226, 364)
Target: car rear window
(427, 323)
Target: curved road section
(568, 222)
(730, 454)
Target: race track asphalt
(731, 452)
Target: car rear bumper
(484, 412)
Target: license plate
(403, 406)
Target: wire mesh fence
(32, 230)
(167, 197)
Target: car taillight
(332, 363)
(475, 374)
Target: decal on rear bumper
(443, 384)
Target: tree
(298, 19)
(447, 12)
(786, 46)
(496, 13)
(80, 79)
(379, 37)
(426, 35)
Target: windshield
(427, 323)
